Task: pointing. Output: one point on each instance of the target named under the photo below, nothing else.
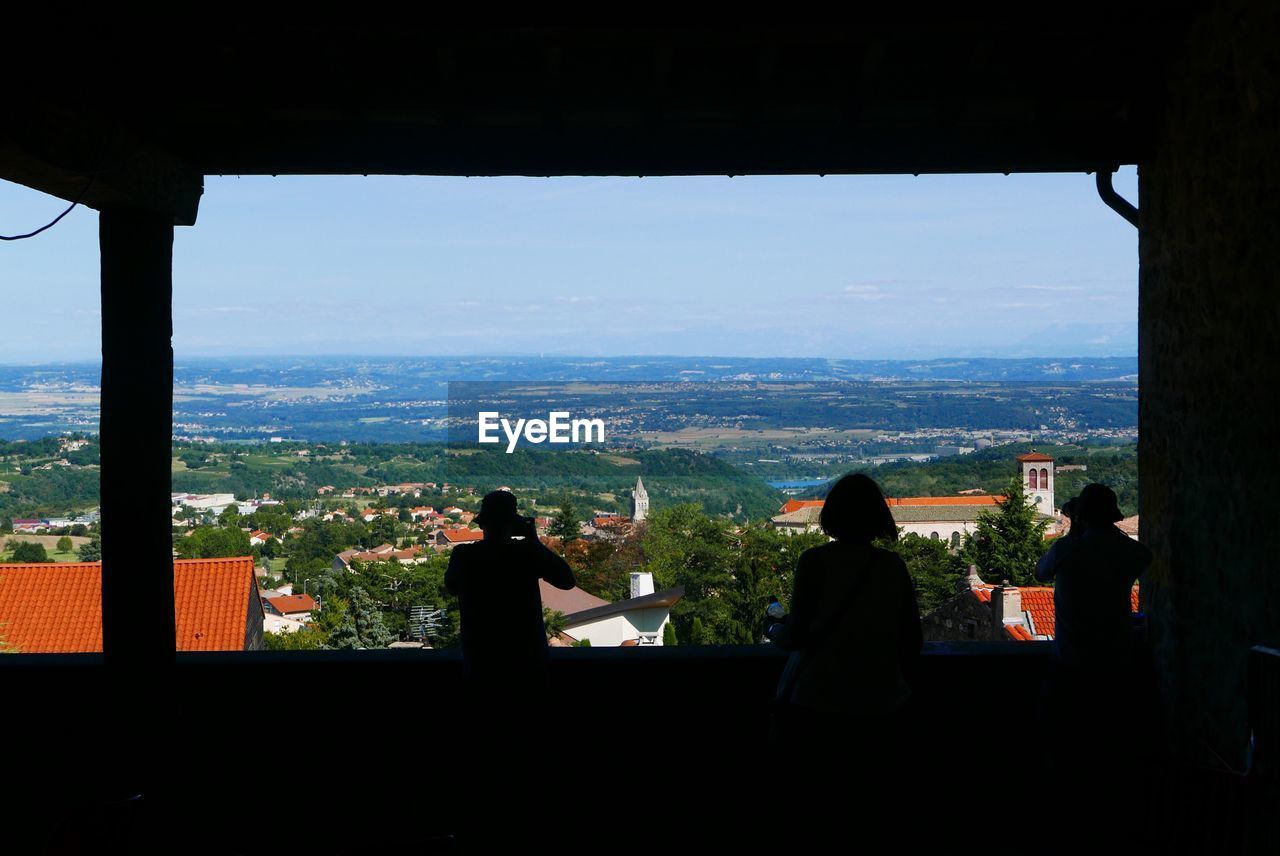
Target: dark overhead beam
(62, 152)
(279, 148)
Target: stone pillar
(136, 435)
(1209, 323)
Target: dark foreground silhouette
(854, 633)
(1094, 702)
(504, 647)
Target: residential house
(296, 606)
(637, 620)
(450, 538)
(280, 624)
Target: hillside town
(388, 545)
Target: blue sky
(841, 266)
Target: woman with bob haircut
(854, 633)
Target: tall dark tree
(1008, 542)
(383, 530)
(360, 624)
(91, 550)
(565, 525)
(934, 570)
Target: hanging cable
(55, 220)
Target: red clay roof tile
(288, 604)
(797, 504)
(57, 607)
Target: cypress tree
(1008, 542)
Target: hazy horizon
(178, 357)
(842, 267)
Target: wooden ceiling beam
(74, 155)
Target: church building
(639, 502)
(947, 518)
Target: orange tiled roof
(57, 607)
(1018, 633)
(292, 603)
(906, 501)
(1034, 457)
(1038, 601)
(458, 536)
(797, 504)
(945, 500)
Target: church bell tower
(1037, 481)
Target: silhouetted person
(854, 633)
(1069, 512)
(504, 639)
(504, 649)
(1093, 571)
(1097, 687)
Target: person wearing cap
(504, 639)
(1093, 572)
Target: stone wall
(1209, 330)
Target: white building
(215, 502)
(639, 502)
(1037, 480)
(638, 620)
(942, 518)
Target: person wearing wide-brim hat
(1097, 505)
(1094, 700)
(1093, 574)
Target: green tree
(668, 634)
(383, 530)
(64, 545)
(565, 525)
(934, 570)
(91, 550)
(764, 562)
(29, 551)
(230, 517)
(685, 547)
(360, 624)
(697, 632)
(603, 568)
(303, 639)
(213, 542)
(1008, 542)
(554, 621)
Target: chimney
(1006, 608)
(970, 582)
(641, 584)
